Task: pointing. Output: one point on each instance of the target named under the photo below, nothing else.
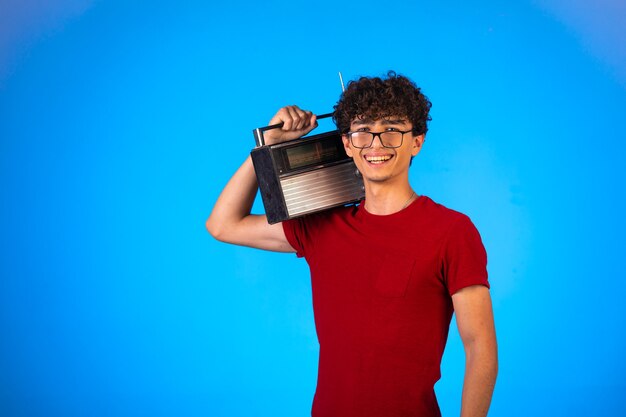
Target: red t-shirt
(382, 289)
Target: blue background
(120, 122)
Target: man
(386, 274)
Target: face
(380, 164)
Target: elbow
(214, 229)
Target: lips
(377, 159)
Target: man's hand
(296, 123)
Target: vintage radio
(304, 175)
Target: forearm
(481, 368)
(231, 221)
(234, 203)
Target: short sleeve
(464, 257)
(295, 232)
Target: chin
(376, 179)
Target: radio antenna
(343, 87)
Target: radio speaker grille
(321, 189)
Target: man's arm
(231, 221)
(474, 317)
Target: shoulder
(441, 214)
(306, 232)
(321, 218)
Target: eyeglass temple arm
(258, 132)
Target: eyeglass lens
(391, 139)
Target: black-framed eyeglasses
(388, 138)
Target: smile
(377, 159)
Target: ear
(346, 145)
(416, 145)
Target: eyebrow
(386, 121)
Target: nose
(380, 140)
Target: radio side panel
(269, 184)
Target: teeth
(378, 159)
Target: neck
(381, 200)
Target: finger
(296, 117)
(306, 119)
(279, 117)
(303, 119)
(286, 118)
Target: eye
(391, 129)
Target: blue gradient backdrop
(120, 122)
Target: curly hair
(377, 98)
